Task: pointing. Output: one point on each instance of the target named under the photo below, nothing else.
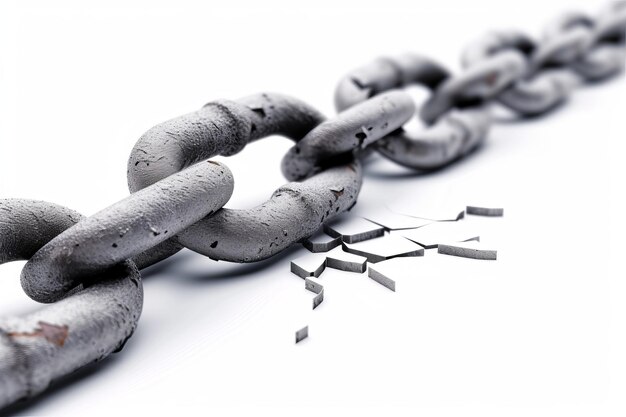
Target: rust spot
(51, 332)
(352, 168)
(491, 78)
(213, 162)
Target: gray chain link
(89, 267)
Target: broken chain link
(89, 267)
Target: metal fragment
(381, 278)
(309, 265)
(318, 299)
(430, 213)
(302, 334)
(352, 229)
(316, 288)
(391, 220)
(321, 242)
(345, 261)
(382, 248)
(430, 236)
(485, 211)
(467, 250)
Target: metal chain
(89, 267)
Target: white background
(541, 331)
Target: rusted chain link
(90, 266)
(84, 327)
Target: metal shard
(302, 334)
(321, 242)
(381, 278)
(387, 247)
(467, 250)
(345, 261)
(391, 220)
(485, 211)
(309, 265)
(316, 288)
(352, 229)
(433, 234)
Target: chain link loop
(455, 133)
(84, 327)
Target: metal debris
(434, 214)
(316, 288)
(309, 265)
(467, 250)
(485, 211)
(431, 235)
(387, 247)
(317, 300)
(353, 229)
(345, 261)
(381, 278)
(302, 334)
(321, 242)
(394, 221)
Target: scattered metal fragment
(316, 288)
(445, 214)
(352, 229)
(467, 250)
(485, 211)
(394, 221)
(309, 265)
(302, 334)
(313, 286)
(431, 235)
(387, 247)
(381, 278)
(321, 242)
(317, 300)
(345, 261)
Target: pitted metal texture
(85, 327)
(295, 211)
(352, 130)
(455, 134)
(125, 229)
(224, 128)
(384, 74)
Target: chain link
(89, 267)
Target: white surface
(541, 331)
